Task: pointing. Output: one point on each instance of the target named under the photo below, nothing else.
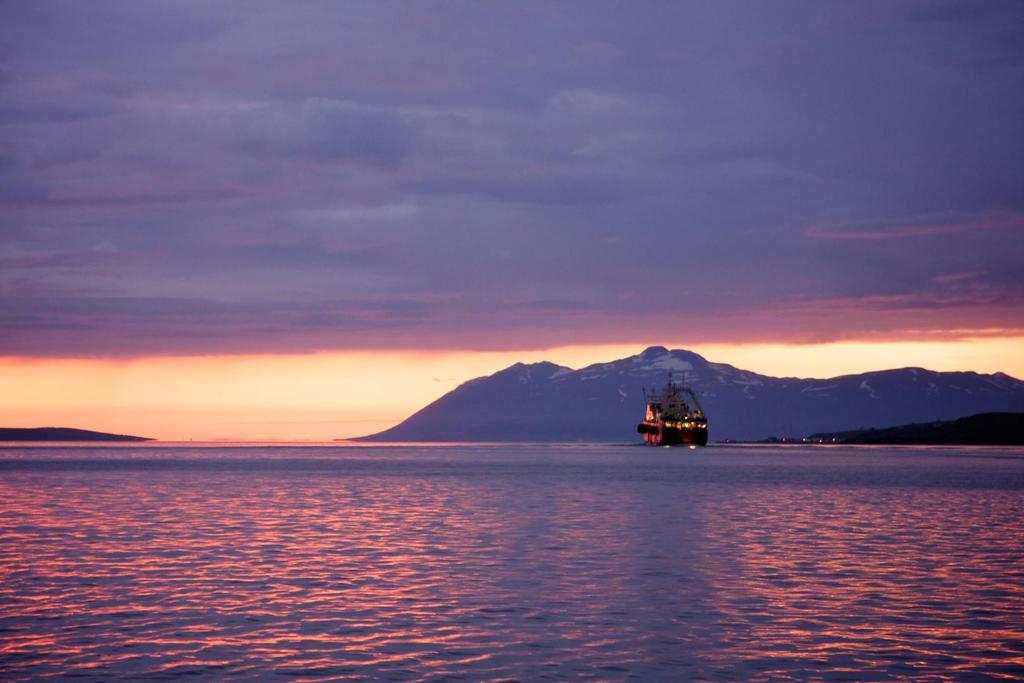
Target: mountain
(604, 402)
(61, 434)
(986, 429)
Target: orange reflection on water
(505, 562)
(871, 579)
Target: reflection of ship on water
(669, 420)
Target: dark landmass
(62, 434)
(544, 402)
(985, 429)
(775, 439)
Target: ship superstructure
(673, 417)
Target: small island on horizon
(62, 434)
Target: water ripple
(512, 563)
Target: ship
(673, 417)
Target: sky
(405, 192)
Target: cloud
(1012, 222)
(314, 177)
(956, 277)
(325, 130)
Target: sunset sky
(305, 220)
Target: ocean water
(512, 563)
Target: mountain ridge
(603, 401)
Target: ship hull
(657, 434)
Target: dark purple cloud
(185, 177)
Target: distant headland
(62, 434)
(986, 429)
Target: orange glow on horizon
(340, 394)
